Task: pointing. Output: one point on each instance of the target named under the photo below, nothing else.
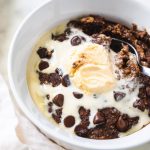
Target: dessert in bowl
(86, 84)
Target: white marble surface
(12, 13)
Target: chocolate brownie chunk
(44, 53)
(69, 121)
(43, 65)
(63, 36)
(65, 80)
(59, 71)
(109, 122)
(58, 100)
(77, 95)
(55, 79)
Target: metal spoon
(145, 70)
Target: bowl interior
(40, 21)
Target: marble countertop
(12, 12)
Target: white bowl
(40, 21)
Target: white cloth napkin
(17, 132)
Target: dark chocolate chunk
(99, 118)
(119, 95)
(56, 118)
(59, 112)
(69, 121)
(50, 104)
(59, 71)
(76, 40)
(77, 95)
(48, 96)
(55, 79)
(81, 130)
(122, 124)
(58, 100)
(65, 80)
(43, 65)
(44, 53)
(49, 109)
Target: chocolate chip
(122, 124)
(99, 118)
(55, 79)
(56, 118)
(76, 40)
(69, 121)
(119, 95)
(50, 104)
(59, 71)
(43, 65)
(48, 96)
(58, 100)
(65, 80)
(44, 53)
(77, 95)
(81, 130)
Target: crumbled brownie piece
(101, 39)
(127, 65)
(55, 79)
(118, 95)
(59, 71)
(77, 95)
(44, 78)
(109, 122)
(60, 37)
(43, 65)
(84, 116)
(69, 121)
(44, 53)
(52, 78)
(89, 25)
(81, 130)
(65, 80)
(58, 100)
(63, 36)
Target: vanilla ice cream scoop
(92, 71)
